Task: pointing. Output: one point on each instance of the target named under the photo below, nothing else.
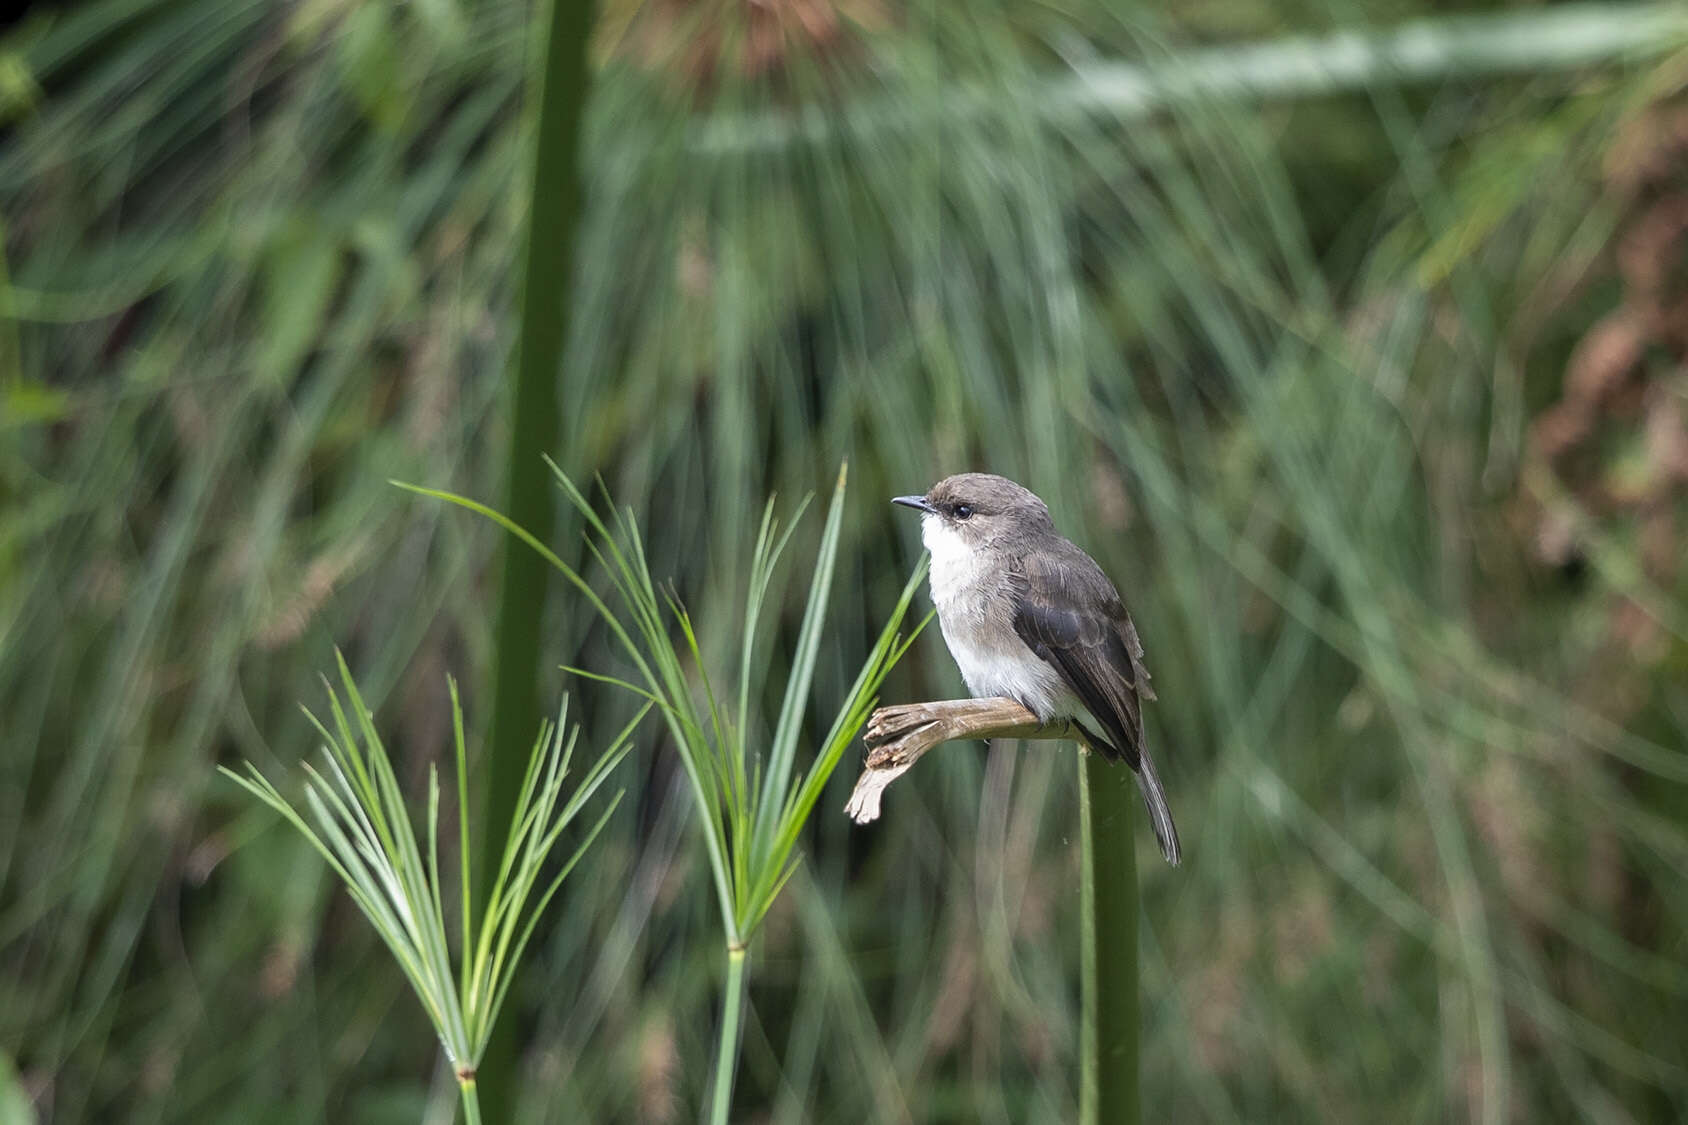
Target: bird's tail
(1160, 816)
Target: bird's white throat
(956, 566)
(975, 612)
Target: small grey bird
(1030, 616)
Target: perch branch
(897, 736)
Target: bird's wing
(1069, 614)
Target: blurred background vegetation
(1362, 372)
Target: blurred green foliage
(1372, 402)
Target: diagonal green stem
(1565, 37)
(1108, 945)
(726, 1057)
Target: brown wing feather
(1070, 615)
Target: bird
(1027, 614)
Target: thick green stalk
(727, 1052)
(471, 1102)
(534, 425)
(1108, 945)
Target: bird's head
(974, 510)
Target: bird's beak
(919, 502)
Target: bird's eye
(963, 511)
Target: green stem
(471, 1101)
(1108, 945)
(726, 1058)
(548, 260)
(11, 351)
(1537, 41)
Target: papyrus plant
(753, 799)
(356, 817)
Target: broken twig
(898, 735)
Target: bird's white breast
(976, 614)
